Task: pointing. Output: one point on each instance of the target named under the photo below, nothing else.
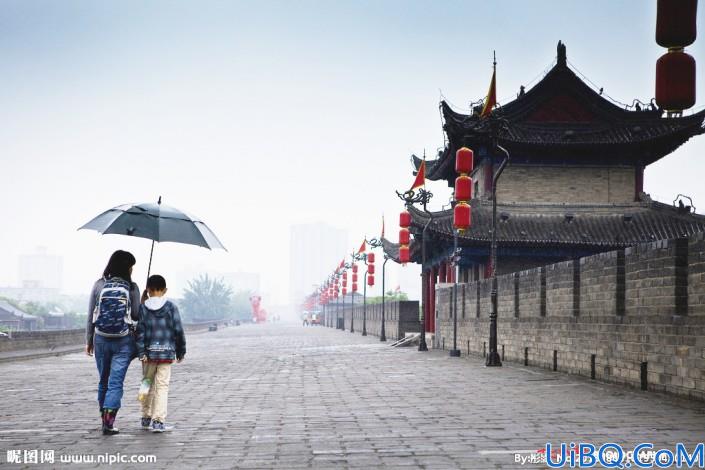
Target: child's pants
(154, 406)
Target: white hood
(155, 303)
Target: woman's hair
(119, 265)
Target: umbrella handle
(149, 269)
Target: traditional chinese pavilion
(573, 186)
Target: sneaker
(158, 426)
(146, 423)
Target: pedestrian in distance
(160, 342)
(113, 310)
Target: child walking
(160, 341)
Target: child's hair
(156, 282)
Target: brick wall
(565, 184)
(400, 317)
(622, 316)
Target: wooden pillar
(442, 271)
(432, 303)
(638, 181)
(424, 296)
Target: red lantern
(354, 288)
(675, 22)
(371, 269)
(345, 275)
(464, 161)
(404, 219)
(370, 257)
(675, 81)
(345, 283)
(404, 236)
(336, 294)
(463, 188)
(345, 291)
(354, 268)
(404, 254)
(371, 280)
(461, 216)
(354, 278)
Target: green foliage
(241, 307)
(207, 298)
(389, 296)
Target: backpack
(112, 315)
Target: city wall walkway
(273, 396)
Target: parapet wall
(634, 316)
(50, 339)
(400, 317)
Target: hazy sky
(257, 115)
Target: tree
(389, 296)
(206, 298)
(242, 309)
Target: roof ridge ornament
(561, 53)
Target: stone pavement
(273, 396)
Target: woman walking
(113, 310)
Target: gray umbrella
(155, 222)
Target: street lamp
(412, 197)
(462, 194)
(375, 243)
(493, 359)
(369, 260)
(354, 257)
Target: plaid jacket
(160, 335)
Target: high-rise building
(314, 251)
(41, 270)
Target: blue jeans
(113, 357)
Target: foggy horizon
(258, 117)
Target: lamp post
(462, 217)
(353, 257)
(493, 359)
(364, 299)
(375, 243)
(411, 197)
(455, 352)
(369, 280)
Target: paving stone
(273, 396)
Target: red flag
(342, 265)
(363, 247)
(420, 176)
(382, 227)
(491, 100)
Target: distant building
(41, 270)
(15, 319)
(314, 249)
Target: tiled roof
(574, 225)
(561, 119)
(598, 227)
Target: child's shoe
(158, 426)
(146, 423)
